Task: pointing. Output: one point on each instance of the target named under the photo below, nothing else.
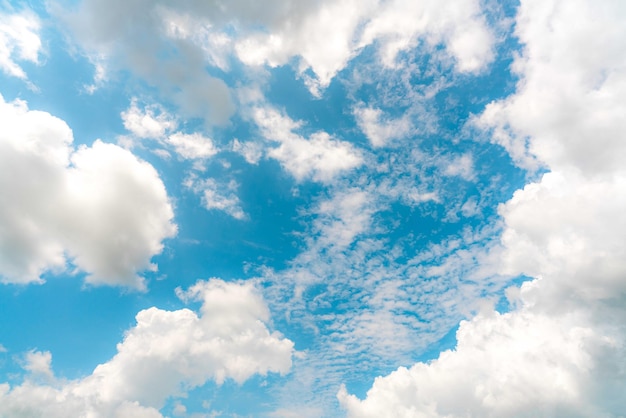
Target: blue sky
(312, 208)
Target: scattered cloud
(555, 353)
(164, 355)
(19, 41)
(378, 129)
(157, 45)
(192, 146)
(154, 122)
(319, 157)
(402, 24)
(151, 122)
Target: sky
(328, 208)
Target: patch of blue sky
(77, 325)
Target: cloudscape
(328, 208)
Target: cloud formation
(19, 41)
(559, 351)
(160, 41)
(165, 354)
(319, 157)
(98, 207)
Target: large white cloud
(569, 106)
(100, 207)
(165, 354)
(561, 350)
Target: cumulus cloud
(165, 354)
(100, 207)
(515, 364)
(39, 363)
(349, 26)
(319, 157)
(568, 108)
(560, 351)
(19, 41)
(324, 55)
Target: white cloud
(380, 130)
(217, 196)
(165, 354)
(39, 364)
(460, 26)
(348, 26)
(19, 41)
(516, 364)
(151, 122)
(319, 157)
(252, 152)
(154, 122)
(192, 146)
(561, 350)
(462, 166)
(322, 36)
(568, 108)
(99, 206)
(324, 54)
(344, 217)
(570, 231)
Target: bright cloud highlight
(97, 207)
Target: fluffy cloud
(561, 350)
(319, 157)
(160, 41)
(19, 41)
(165, 354)
(515, 364)
(324, 55)
(99, 206)
(348, 26)
(568, 108)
